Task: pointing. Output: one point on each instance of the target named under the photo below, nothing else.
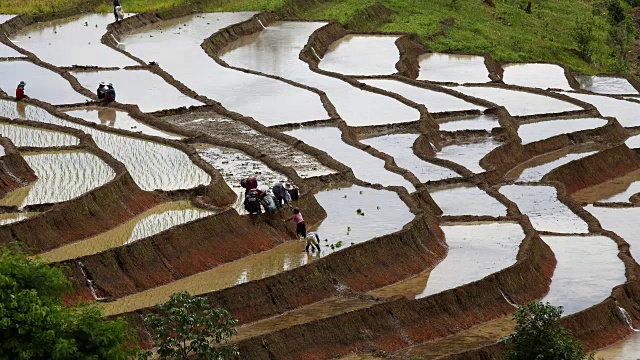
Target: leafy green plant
(583, 35)
(538, 335)
(36, 325)
(186, 327)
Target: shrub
(186, 327)
(583, 36)
(538, 335)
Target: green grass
(506, 32)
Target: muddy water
(482, 248)
(474, 122)
(362, 55)
(152, 165)
(541, 130)
(619, 189)
(234, 166)
(518, 103)
(120, 120)
(588, 268)
(469, 154)
(435, 101)
(151, 222)
(42, 84)
(8, 218)
(72, 41)
(272, 102)
(625, 111)
(222, 128)
(61, 176)
(546, 212)
(342, 218)
(467, 200)
(606, 85)
(543, 76)
(453, 68)
(276, 50)
(627, 349)
(140, 87)
(622, 221)
(34, 137)
(365, 167)
(535, 169)
(633, 142)
(400, 146)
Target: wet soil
(223, 128)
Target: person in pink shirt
(301, 228)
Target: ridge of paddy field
(506, 32)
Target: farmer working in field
(117, 10)
(20, 91)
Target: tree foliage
(36, 325)
(186, 326)
(538, 335)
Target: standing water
(365, 167)
(362, 55)
(540, 130)
(453, 68)
(120, 120)
(400, 147)
(457, 200)
(606, 85)
(272, 102)
(276, 51)
(542, 76)
(72, 41)
(34, 137)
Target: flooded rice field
(276, 50)
(454, 68)
(119, 120)
(435, 101)
(143, 88)
(365, 167)
(468, 154)
(362, 55)
(400, 147)
(33, 137)
(42, 84)
(588, 268)
(606, 85)
(61, 176)
(537, 168)
(381, 212)
(477, 202)
(518, 103)
(624, 111)
(158, 219)
(472, 122)
(482, 248)
(272, 102)
(536, 131)
(544, 209)
(72, 41)
(380, 248)
(543, 76)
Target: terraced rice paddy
(425, 194)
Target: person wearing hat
(109, 93)
(102, 88)
(20, 91)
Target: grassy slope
(506, 32)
